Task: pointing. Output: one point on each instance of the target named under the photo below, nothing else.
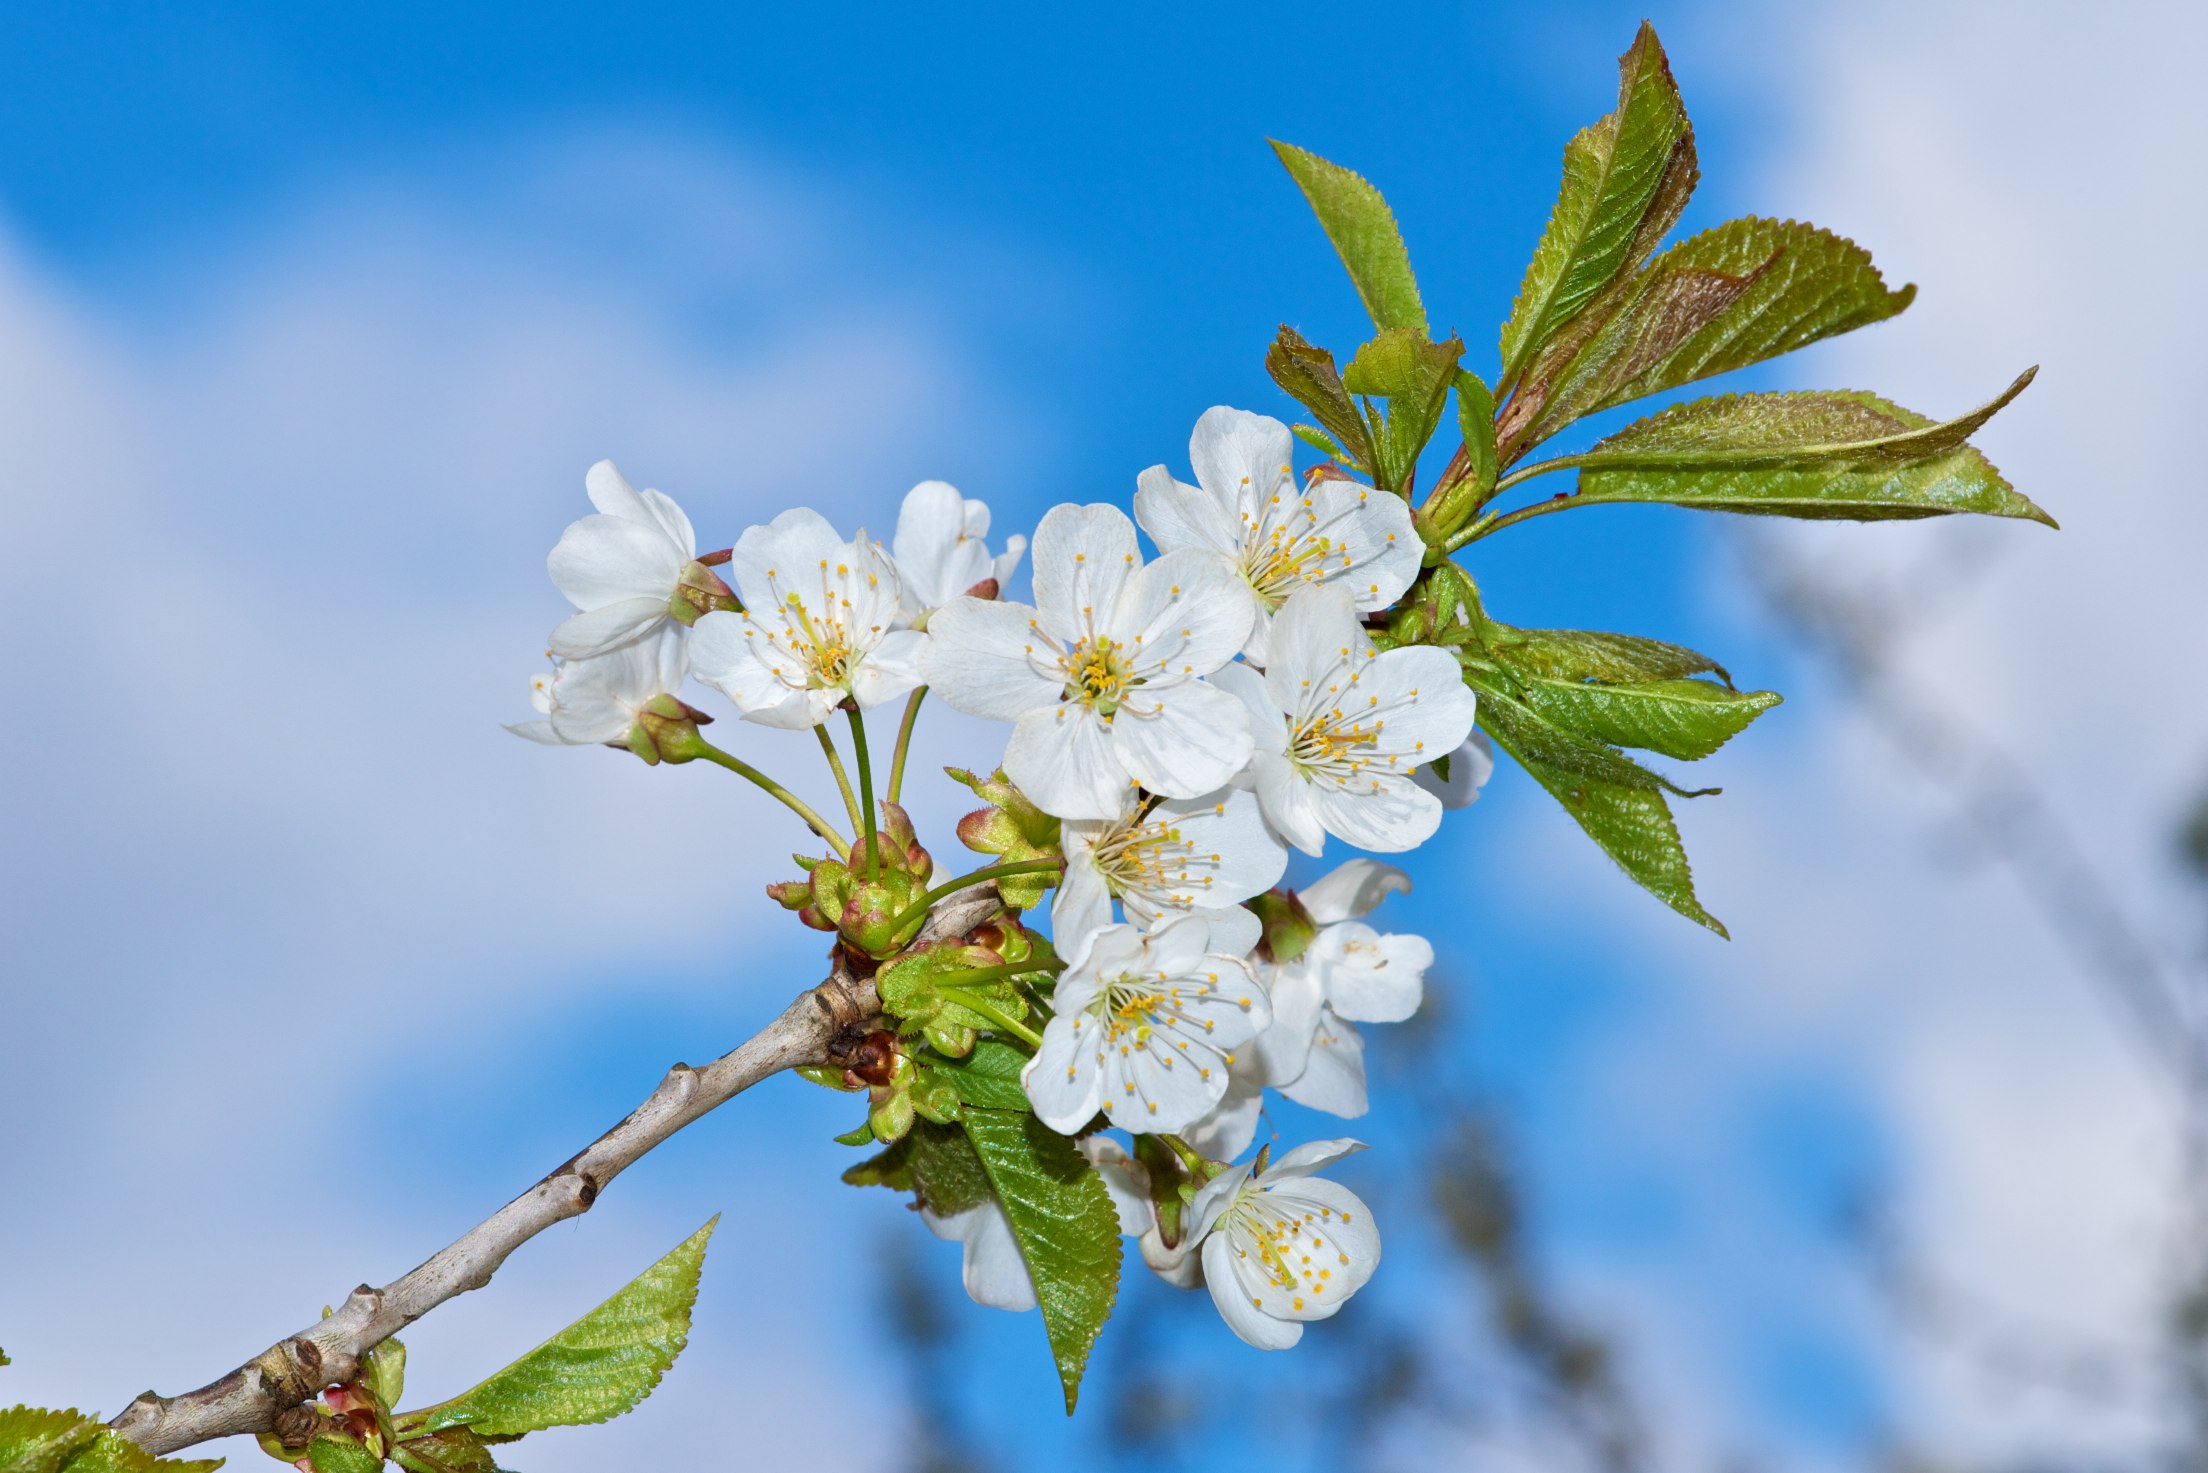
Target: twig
(252, 1397)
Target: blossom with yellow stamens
(1281, 1247)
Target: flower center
(1130, 1006)
(1099, 674)
(1286, 545)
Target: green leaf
(598, 1367)
(35, 1440)
(1630, 823)
(1626, 179)
(1685, 719)
(1013, 829)
(911, 989)
(1413, 374)
(384, 1372)
(1586, 654)
(1830, 455)
(1063, 1220)
(454, 1450)
(327, 1454)
(989, 1077)
(1507, 707)
(1476, 422)
(1307, 374)
(935, 1163)
(1743, 292)
(1363, 230)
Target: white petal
(1232, 1124)
(1289, 804)
(1311, 1156)
(1333, 1078)
(1268, 725)
(1389, 819)
(1079, 908)
(724, 658)
(595, 631)
(783, 557)
(1240, 454)
(1188, 612)
(1170, 1090)
(979, 658)
(1061, 758)
(1370, 977)
(1008, 560)
(1333, 1230)
(536, 731)
(1234, 930)
(1351, 889)
(1083, 556)
(889, 670)
(1470, 766)
(1238, 1306)
(1181, 1265)
(1284, 1050)
(1178, 516)
(1197, 739)
(605, 559)
(1064, 1080)
(995, 1273)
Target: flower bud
(891, 1117)
(669, 729)
(819, 898)
(699, 591)
(873, 913)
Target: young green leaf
(1413, 374)
(935, 1163)
(36, 1440)
(1790, 430)
(598, 1367)
(1507, 709)
(989, 1077)
(327, 1454)
(454, 1450)
(1363, 230)
(1626, 179)
(33, 1440)
(1587, 654)
(1684, 719)
(1630, 823)
(1307, 374)
(1734, 454)
(384, 1372)
(1065, 1225)
(1743, 292)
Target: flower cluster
(1179, 721)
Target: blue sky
(323, 314)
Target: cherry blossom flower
(599, 699)
(1103, 678)
(941, 552)
(1277, 536)
(1147, 1024)
(1341, 729)
(620, 567)
(1284, 1247)
(1161, 859)
(818, 625)
(1348, 971)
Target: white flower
(940, 551)
(1162, 859)
(994, 1271)
(1470, 766)
(1147, 1024)
(620, 567)
(1248, 509)
(599, 699)
(1283, 1248)
(1348, 971)
(1341, 729)
(1103, 679)
(818, 625)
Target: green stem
(698, 746)
(904, 742)
(1199, 1166)
(843, 782)
(1487, 526)
(870, 824)
(918, 910)
(998, 1019)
